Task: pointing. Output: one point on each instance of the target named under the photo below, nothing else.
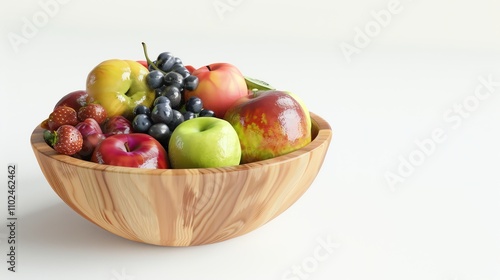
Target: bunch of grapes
(162, 119)
(169, 78)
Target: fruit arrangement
(165, 114)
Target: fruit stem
(50, 137)
(127, 148)
(144, 48)
(208, 67)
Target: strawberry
(94, 111)
(65, 140)
(60, 116)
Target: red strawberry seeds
(94, 111)
(60, 116)
(67, 140)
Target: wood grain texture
(183, 207)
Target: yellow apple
(119, 86)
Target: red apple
(75, 100)
(144, 63)
(90, 143)
(131, 150)
(92, 135)
(219, 86)
(269, 124)
(117, 125)
(88, 127)
(190, 68)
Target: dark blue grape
(173, 79)
(183, 72)
(150, 66)
(162, 113)
(161, 99)
(188, 115)
(191, 82)
(141, 123)
(141, 109)
(164, 56)
(166, 66)
(155, 79)
(173, 93)
(206, 113)
(177, 119)
(159, 90)
(160, 132)
(178, 67)
(194, 104)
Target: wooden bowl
(183, 207)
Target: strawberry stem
(50, 137)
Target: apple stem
(208, 67)
(127, 148)
(144, 48)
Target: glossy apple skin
(117, 125)
(92, 135)
(75, 100)
(302, 104)
(220, 85)
(269, 124)
(143, 63)
(119, 86)
(204, 142)
(190, 68)
(131, 150)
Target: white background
(406, 78)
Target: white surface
(441, 223)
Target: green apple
(119, 86)
(204, 142)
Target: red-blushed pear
(138, 150)
(219, 86)
(119, 86)
(269, 124)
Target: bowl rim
(322, 134)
